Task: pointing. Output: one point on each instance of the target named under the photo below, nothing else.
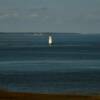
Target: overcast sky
(82, 16)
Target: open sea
(70, 65)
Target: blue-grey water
(29, 64)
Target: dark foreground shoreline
(5, 95)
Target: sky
(79, 16)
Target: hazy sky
(50, 16)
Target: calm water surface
(71, 64)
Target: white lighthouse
(50, 40)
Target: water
(71, 64)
